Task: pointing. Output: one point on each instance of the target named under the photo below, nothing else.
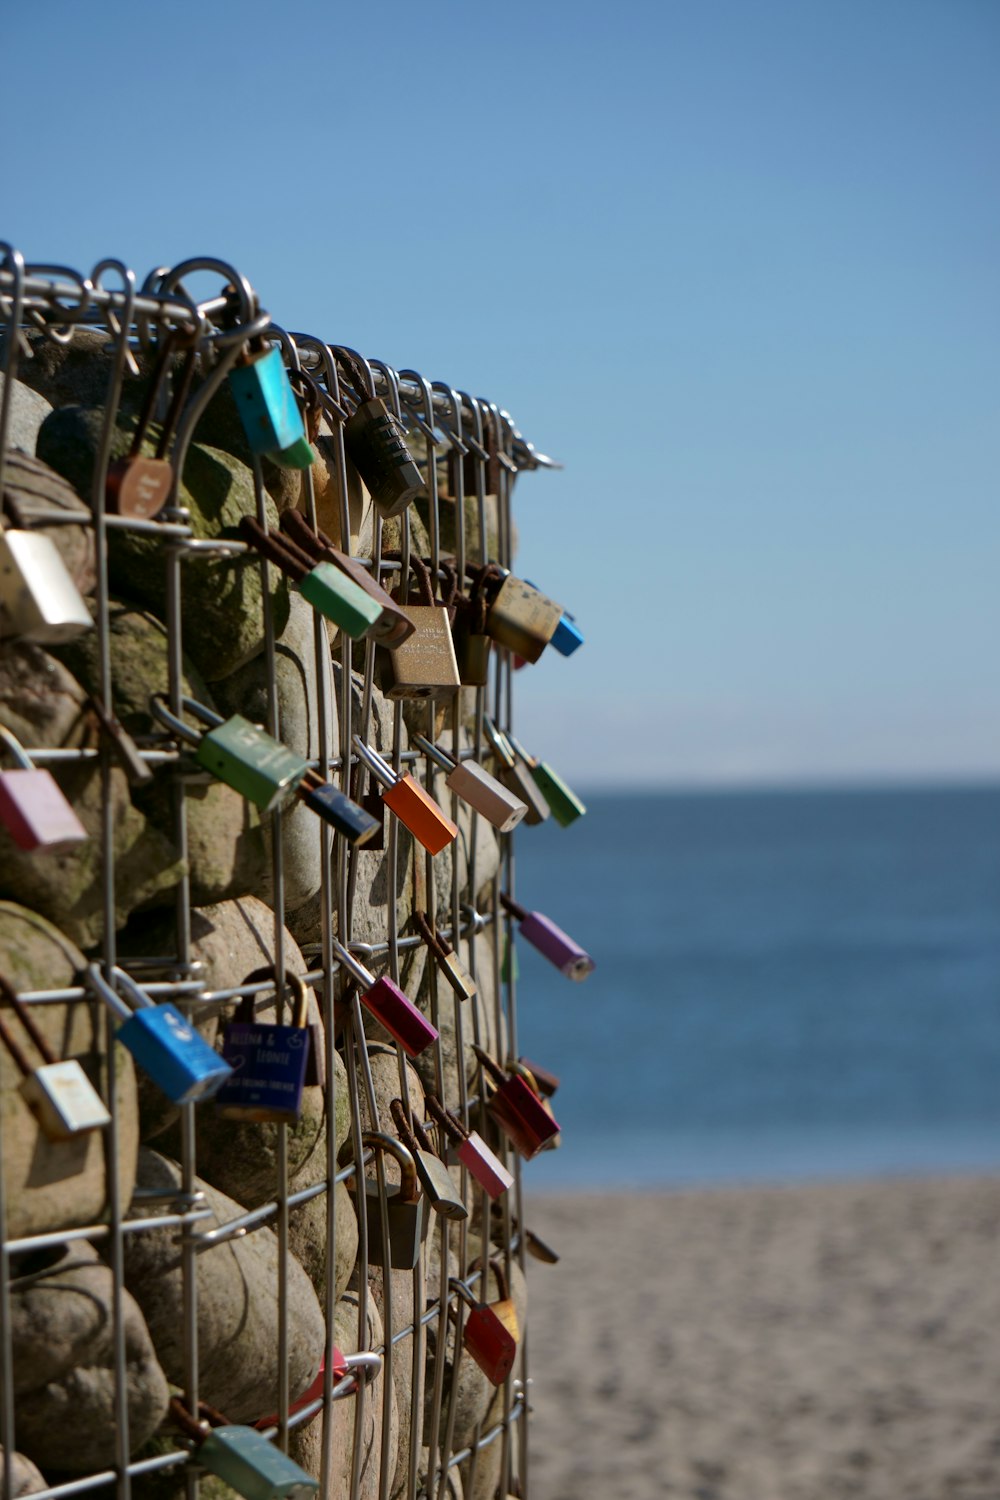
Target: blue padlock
(268, 1062)
(162, 1041)
(568, 636)
(267, 406)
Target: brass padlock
(442, 1195)
(424, 666)
(446, 958)
(472, 644)
(406, 1208)
(522, 618)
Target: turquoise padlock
(162, 1041)
(246, 758)
(267, 406)
(242, 1457)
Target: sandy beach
(799, 1343)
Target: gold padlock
(522, 618)
(424, 666)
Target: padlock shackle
(277, 549)
(519, 750)
(499, 743)
(490, 1065)
(30, 1025)
(398, 1112)
(190, 1425)
(440, 757)
(523, 1071)
(452, 1127)
(295, 982)
(514, 907)
(110, 996)
(499, 1270)
(435, 942)
(409, 1185)
(456, 1285)
(16, 749)
(353, 965)
(163, 714)
(380, 767)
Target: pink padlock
(390, 1006)
(554, 944)
(471, 1150)
(32, 808)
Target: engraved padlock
(241, 1456)
(261, 769)
(517, 1109)
(516, 777)
(268, 409)
(471, 1151)
(162, 1041)
(32, 808)
(406, 1208)
(446, 958)
(384, 999)
(554, 944)
(424, 666)
(59, 1094)
(375, 441)
(329, 590)
(486, 1336)
(137, 485)
(483, 792)
(565, 805)
(522, 618)
(435, 1179)
(38, 599)
(393, 625)
(412, 805)
(269, 1062)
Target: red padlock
(471, 1150)
(390, 1006)
(517, 1109)
(487, 1335)
(32, 808)
(358, 1365)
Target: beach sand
(797, 1343)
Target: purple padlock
(557, 946)
(390, 1006)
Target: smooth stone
(62, 1332)
(38, 489)
(237, 1305)
(224, 595)
(59, 1184)
(26, 1479)
(309, 1241)
(28, 411)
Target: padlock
(38, 599)
(139, 486)
(59, 1094)
(566, 806)
(517, 1109)
(412, 805)
(522, 618)
(366, 1366)
(241, 1456)
(123, 746)
(471, 1150)
(424, 666)
(162, 1041)
(393, 625)
(446, 958)
(406, 1208)
(547, 1083)
(328, 802)
(388, 1004)
(375, 440)
(486, 1336)
(268, 409)
(326, 588)
(435, 1178)
(567, 636)
(261, 769)
(269, 1062)
(554, 944)
(521, 1070)
(32, 808)
(483, 792)
(472, 645)
(516, 777)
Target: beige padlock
(59, 1094)
(483, 792)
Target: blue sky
(735, 263)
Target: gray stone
(59, 1184)
(28, 411)
(62, 1334)
(35, 489)
(26, 1478)
(223, 595)
(75, 373)
(298, 693)
(309, 1240)
(237, 1305)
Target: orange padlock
(412, 805)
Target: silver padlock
(59, 1094)
(467, 779)
(38, 599)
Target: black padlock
(376, 444)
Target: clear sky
(734, 261)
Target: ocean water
(790, 986)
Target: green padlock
(565, 804)
(242, 1456)
(246, 758)
(324, 586)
